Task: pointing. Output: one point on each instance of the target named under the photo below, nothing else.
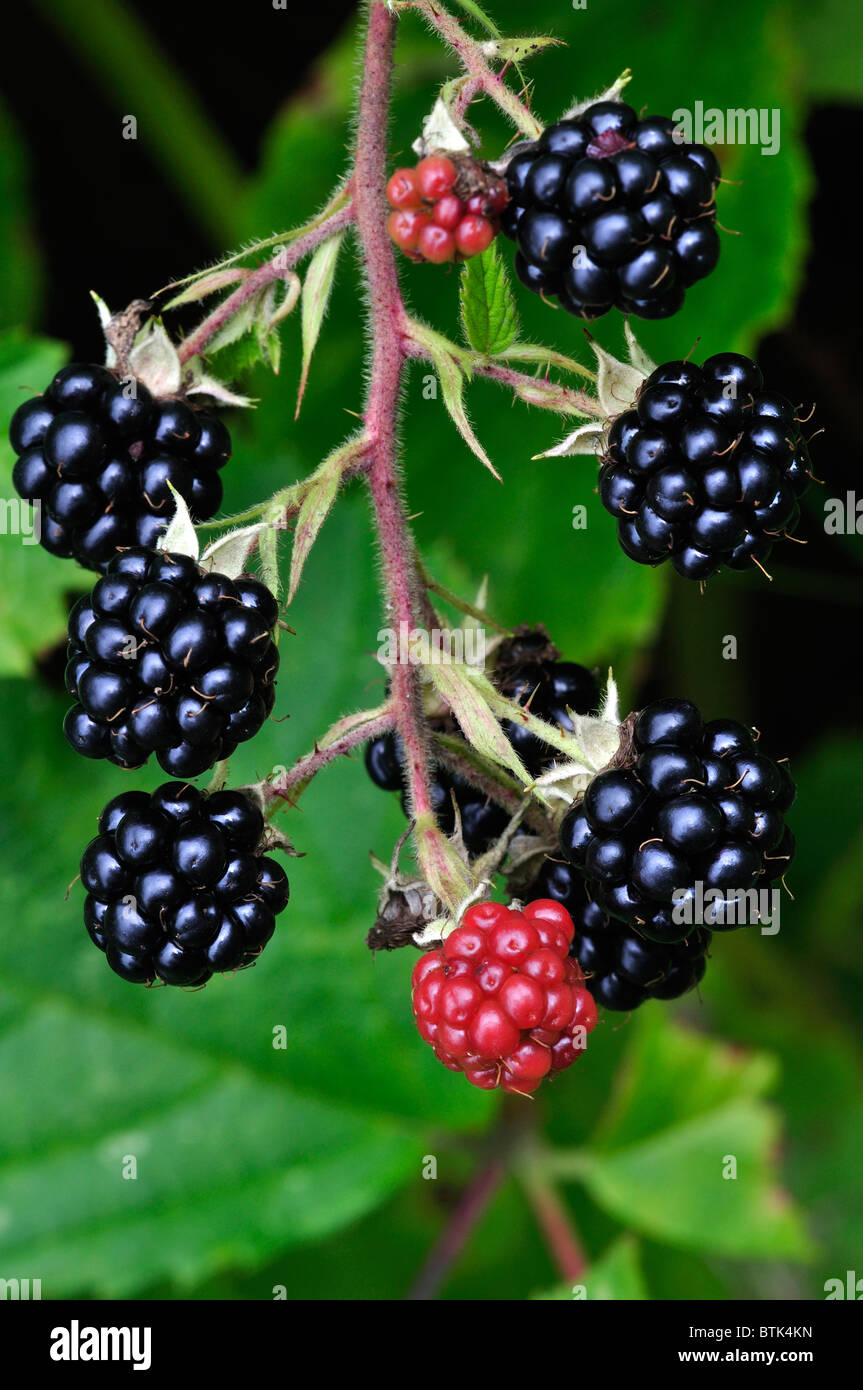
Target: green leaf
(674, 1074)
(672, 1186)
(615, 1276)
(452, 383)
(488, 307)
(318, 497)
(33, 584)
(243, 1150)
(317, 289)
(466, 691)
(279, 1167)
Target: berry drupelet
(607, 209)
(178, 888)
(706, 470)
(550, 688)
(97, 452)
(166, 658)
(502, 1001)
(695, 818)
(445, 209)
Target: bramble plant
(514, 769)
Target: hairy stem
(310, 764)
(288, 256)
(398, 557)
(533, 390)
(475, 63)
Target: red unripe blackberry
(499, 1001)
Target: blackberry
(98, 457)
(167, 659)
(621, 967)
(607, 209)
(706, 470)
(528, 671)
(695, 820)
(178, 888)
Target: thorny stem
(398, 556)
(476, 65)
(547, 394)
(310, 764)
(275, 269)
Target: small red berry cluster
(440, 214)
(503, 1001)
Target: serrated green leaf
(280, 1168)
(319, 493)
(317, 289)
(452, 383)
(678, 1186)
(466, 692)
(673, 1074)
(488, 310)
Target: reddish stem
(545, 393)
(458, 1230)
(308, 766)
(476, 65)
(265, 274)
(556, 1225)
(404, 600)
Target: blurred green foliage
(302, 1168)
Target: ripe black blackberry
(528, 671)
(166, 658)
(99, 458)
(178, 887)
(706, 470)
(695, 816)
(608, 210)
(621, 968)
